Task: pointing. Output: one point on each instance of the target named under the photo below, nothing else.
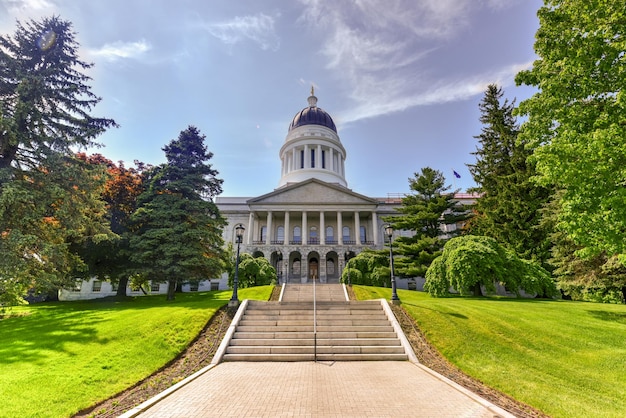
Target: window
(297, 235)
(295, 267)
(193, 286)
(313, 239)
(215, 286)
(346, 233)
(280, 234)
(323, 159)
(302, 159)
(312, 158)
(77, 286)
(263, 233)
(155, 287)
(362, 234)
(330, 234)
(96, 286)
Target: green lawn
(59, 358)
(565, 358)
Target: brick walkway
(322, 389)
(308, 389)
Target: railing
(314, 323)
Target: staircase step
(312, 357)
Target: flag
(457, 175)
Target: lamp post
(234, 300)
(394, 295)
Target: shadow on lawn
(609, 316)
(28, 338)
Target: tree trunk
(623, 294)
(477, 290)
(171, 289)
(121, 286)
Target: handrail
(314, 322)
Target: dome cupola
(312, 115)
(312, 148)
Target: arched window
(330, 234)
(263, 233)
(280, 234)
(301, 158)
(312, 158)
(362, 235)
(297, 234)
(323, 159)
(346, 233)
(313, 238)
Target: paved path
(322, 389)
(308, 389)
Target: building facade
(312, 222)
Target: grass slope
(565, 358)
(57, 358)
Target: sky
(402, 79)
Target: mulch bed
(201, 351)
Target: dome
(312, 115)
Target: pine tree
(509, 209)
(49, 199)
(424, 213)
(177, 236)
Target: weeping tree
(469, 262)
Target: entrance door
(313, 269)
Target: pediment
(312, 192)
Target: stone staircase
(285, 331)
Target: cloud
(116, 50)
(379, 50)
(392, 96)
(18, 6)
(258, 28)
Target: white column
(250, 227)
(375, 227)
(339, 229)
(287, 232)
(332, 159)
(318, 157)
(268, 235)
(357, 228)
(322, 229)
(294, 162)
(305, 231)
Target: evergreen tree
(424, 214)
(177, 234)
(509, 207)
(49, 199)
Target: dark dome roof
(312, 115)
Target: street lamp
(394, 295)
(234, 300)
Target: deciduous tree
(469, 262)
(576, 122)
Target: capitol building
(312, 222)
(308, 226)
